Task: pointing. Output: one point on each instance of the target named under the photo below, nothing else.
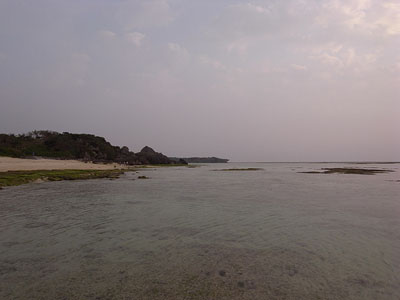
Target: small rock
(222, 273)
(143, 177)
(249, 284)
(292, 270)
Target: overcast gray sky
(272, 80)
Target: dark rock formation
(148, 156)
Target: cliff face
(66, 145)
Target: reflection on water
(190, 233)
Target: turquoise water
(194, 233)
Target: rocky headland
(84, 147)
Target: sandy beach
(18, 164)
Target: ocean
(197, 233)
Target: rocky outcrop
(148, 156)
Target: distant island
(204, 160)
(85, 147)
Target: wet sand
(19, 164)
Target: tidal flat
(189, 233)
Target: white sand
(16, 164)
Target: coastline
(17, 171)
(23, 164)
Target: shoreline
(18, 171)
(26, 164)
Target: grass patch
(12, 178)
(240, 169)
(349, 171)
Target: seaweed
(12, 178)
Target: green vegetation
(349, 171)
(239, 169)
(57, 145)
(86, 147)
(11, 178)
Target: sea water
(197, 233)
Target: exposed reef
(359, 171)
(12, 178)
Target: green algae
(12, 178)
(358, 171)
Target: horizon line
(316, 162)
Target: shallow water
(194, 233)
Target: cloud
(252, 8)
(106, 34)
(337, 56)
(178, 49)
(329, 59)
(363, 16)
(299, 67)
(391, 20)
(212, 62)
(244, 20)
(135, 38)
(239, 46)
(140, 14)
(72, 71)
(300, 63)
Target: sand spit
(19, 164)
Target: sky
(272, 80)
